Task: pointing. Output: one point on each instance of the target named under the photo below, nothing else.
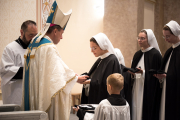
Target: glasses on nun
(166, 37)
(141, 38)
(93, 48)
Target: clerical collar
(21, 43)
(175, 45)
(105, 55)
(147, 49)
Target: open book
(134, 70)
(152, 71)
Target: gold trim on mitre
(54, 14)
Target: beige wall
(123, 19)
(165, 10)
(74, 48)
(149, 14)
(86, 20)
(12, 14)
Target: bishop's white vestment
(47, 80)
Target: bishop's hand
(82, 78)
(76, 108)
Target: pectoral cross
(51, 11)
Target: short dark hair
(26, 23)
(54, 27)
(94, 40)
(167, 28)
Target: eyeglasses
(141, 38)
(93, 48)
(166, 37)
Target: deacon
(12, 62)
(170, 100)
(47, 79)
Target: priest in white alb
(12, 62)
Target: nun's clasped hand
(87, 81)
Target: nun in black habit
(146, 89)
(95, 89)
(170, 100)
(120, 58)
(127, 89)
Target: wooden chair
(76, 94)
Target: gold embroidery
(60, 91)
(51, 11)
(32, 56)
(46, 3)
(27, 66)
(37, 40)
(29, 50)
(54, 14)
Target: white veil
(104, 43)
(175, 28)
(119, 56)
(152, 39)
